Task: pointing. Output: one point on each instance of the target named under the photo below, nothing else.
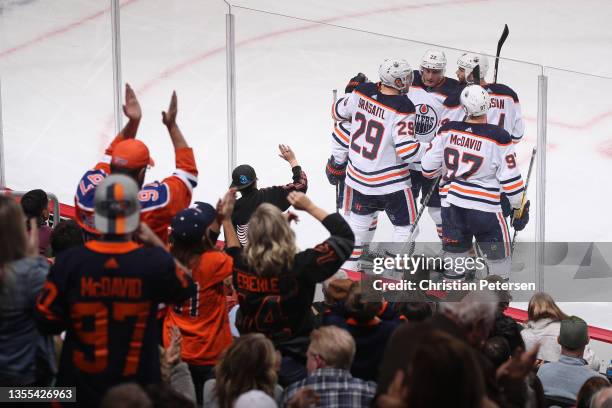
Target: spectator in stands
(276, 284)
(543, 327)
(174, 371)
(250, 363)
(335, 291)
(505, 326)
(412, 306)
(470, 321)
(330, 357)
(590, 388)
(26, 357)
(602, 399)
(105, 294)
(369, 331)
(440, 371)
(67, 234)
(35, 204)
(126, 395)
(159, 202)
(255, 399)
(564, 378)
(497, 350)
(244, 180)
(203, 319)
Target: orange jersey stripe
(474, 192)
(406, 149)
(513, 186)
(341, 135)
(371, 179)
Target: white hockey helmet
(468, 62)
(393, 69)
(475, 100)
(434, 59)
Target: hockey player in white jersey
(505, 110)
(428, 91)
(477, 162)
(381, 146)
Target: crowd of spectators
(137, 304)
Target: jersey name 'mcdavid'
(478, 162)
(382, 141)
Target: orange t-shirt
(203, 319)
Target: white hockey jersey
(478, 162)
(382, 141)
(505, 110)
(341, 137)
(429, 106)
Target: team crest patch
(426, 119)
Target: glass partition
(179, 45)
(57, 92)
(287, 69)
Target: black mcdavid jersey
(105, 296)
(279, 306)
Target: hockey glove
(520, 217)
(354, 82)
(505, 205)
(335, 172)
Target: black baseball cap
(243, 176)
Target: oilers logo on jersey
(426, 119)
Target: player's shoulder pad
(454, 98)
(449, 87)
(367, 88)
(501, 89)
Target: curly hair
(248, 364)
(271, 247)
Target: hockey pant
(363, 216)
(462, 225)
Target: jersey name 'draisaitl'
(371, 108)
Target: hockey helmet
(434, 59)
(468, 62)
(475, 100)
(392, 70)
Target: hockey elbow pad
(521, 217)
(335, 172)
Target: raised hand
(287, 154)
(169, 117)
(299, 201)
(225, 205)
(131, 109)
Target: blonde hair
(271, 242)
(248, 364)
(541, 306)
(13, 235)
(334, 345)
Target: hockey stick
(500, 44)
(523, 200)
(413, 227)
(335, 96)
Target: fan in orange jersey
(159, 202)
(203, 318)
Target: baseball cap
(255, 399)
(117, 209)
(243, 176)
(190, 224)
(574, 333)
(131, 154)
